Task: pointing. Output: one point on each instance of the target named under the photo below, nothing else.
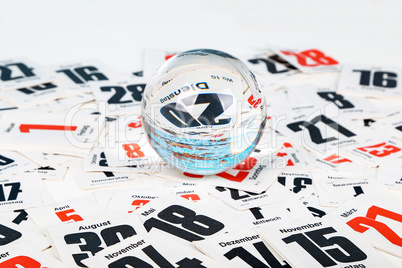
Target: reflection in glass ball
(203, 112)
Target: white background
(116, 31)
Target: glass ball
(203, 111)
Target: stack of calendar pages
(323, 188)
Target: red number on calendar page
(21, 261)
(247, 164)
(336, 159)
(280, 154)
(380, 150)
(138, 203)
(64, 215)
(254, 102)
(136, 124)
(191, 197)
(133, 150)
(313, 55)
(168, 56)
(360, 224)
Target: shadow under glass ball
(203, 112)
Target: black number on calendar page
(235, 194)
(269, 64)
(299, 183)
(7, 72)
(280, 60)
(81, 75)
(93, 243)
(119, 92)
(315, 133)
(155, 256)
(377, 78)
(14, 189)
(32, 90)
(22, 216)
(313, 241)
(337, 99)
(5, 160)
(8, 235)
(252, 260)
(218, 103)
(194, 226)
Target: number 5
(64, 217)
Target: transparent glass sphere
(203, 111)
